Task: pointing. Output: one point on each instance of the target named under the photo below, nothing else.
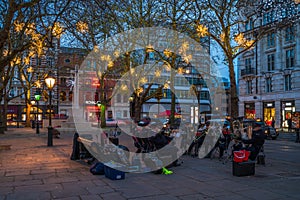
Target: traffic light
(37, 94)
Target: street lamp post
(131, 107)
(159, 96)
(33, 121)
(199, 88)
(99, 112)
(50, 82)
(37, 97)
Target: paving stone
(70, 191)
(41, 187)
(113, 195)
(5, 190)
(90, 197)
(69, 198)
(23, 182)
(59, 180)
(99, 189)
(42, 171)
(17, 172)
(28, 195)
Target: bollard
(76, 150)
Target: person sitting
(256, 140)
(160, 140)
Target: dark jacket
(160, 140)
(258, 138)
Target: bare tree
(26, 27)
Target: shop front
(269, 112)
(12, 115)
(287, 109)
(250, 110)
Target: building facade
(269, 73)
(35, 72)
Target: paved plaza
(31, 170)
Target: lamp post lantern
(50, 82)
(37, 97)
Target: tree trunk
(234, 101)
(103, 116)
(4, 114)
(137, 109)
(28, 108)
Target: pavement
(31, 170)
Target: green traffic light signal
(37, 95)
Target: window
(204, 95)
(88, 82)
(63, 81)
(38, 62)
(268, 84)
(125, 98)
(125, 115)
(268, 17)
(289, 33)
(249, 25)
(289, 58)
(70, 96)
(151, 55)
(118, 98)
(248, 65)
(287, 82)
(62, 96)
(249, 87)
(271, 39)
(88, 64)
(271, 63)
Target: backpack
(97, 168)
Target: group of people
(160, 138)
(251, 140)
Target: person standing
(273, 123)
(256, 140)
(289, 124)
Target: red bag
(241, 156)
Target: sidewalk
(31, 170)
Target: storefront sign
(269, 104)
(91, 102)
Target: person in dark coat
(273, 123)
(160, 140)
(256, 141)
(290, 124)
